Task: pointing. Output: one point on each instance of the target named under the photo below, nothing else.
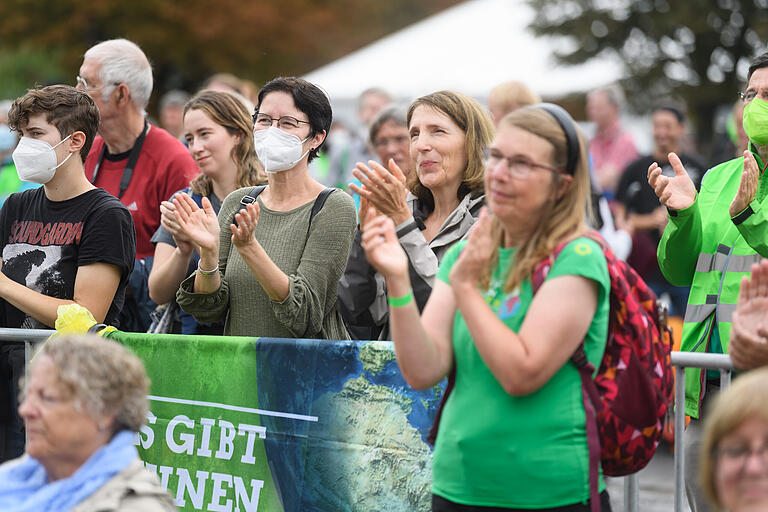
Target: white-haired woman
(84, 400)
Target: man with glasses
(710, 243)
(139, 163)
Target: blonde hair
(746, 399)
(103, 376)
(478, 133)
(564, 218)
(512, 95)
(226, 110)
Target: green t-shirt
(530, 451)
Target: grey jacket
(362, 291)
(134, 489)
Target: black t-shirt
(636, 194)
(43, 243)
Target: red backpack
(627, 401)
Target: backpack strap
(432, 435)
(589, 393)
(251, 196)
(318, 205)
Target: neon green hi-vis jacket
(704, 248)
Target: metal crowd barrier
(680, 361)
(27, 336)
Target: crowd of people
(231, 222)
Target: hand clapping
(677, 192)
(199, 225)
(475, 257)
(245, 225)
(748, 346)
(382, 247)
(384, 189)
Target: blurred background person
(141, 164)
(389, 137)
(9, 177)
(611, 148)
(218, 130)
(734, 449)
(639, 208)
(509, 96)
(271, 268)
(432, 208)
(736, 131)
(349, 144)
(84, 401)
(226, 82)
(172, 113)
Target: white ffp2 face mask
(278, 150)
(35, 160)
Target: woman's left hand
(475, 257)
(384, 189)
(243, 230)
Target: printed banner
(267, 424)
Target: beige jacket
(134, 489)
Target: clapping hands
(748, 346)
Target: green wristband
(398, 302)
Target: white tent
(469, 48)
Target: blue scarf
(24, 485)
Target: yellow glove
(75, 319)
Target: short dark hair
(759, 62)
(66, 108)
(309, 99)
(674, 108)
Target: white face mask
(278, 150)
(35, 160)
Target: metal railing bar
(703, 360)
(632, 493)
(682, 360)
(8, 335)
(679, 444)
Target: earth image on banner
(367, 448)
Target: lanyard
(134, 156)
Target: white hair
(123, 62)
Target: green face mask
(756, 121)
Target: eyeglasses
(517, 167)
(82, 85)
(736, 456)
(749, 95)
(284, 123)
(386, 141)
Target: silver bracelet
(206, 272)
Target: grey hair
(394, 113)
(104, 377)
(123, 62)
(612, 93)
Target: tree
(699, 51)
(188, 41)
